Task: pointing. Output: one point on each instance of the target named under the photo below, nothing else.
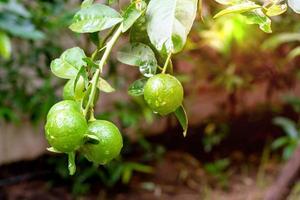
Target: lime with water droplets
(110, 142)
(163, 93)
(64, 105)
(65, 130)
(71, 93)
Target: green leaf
(288, 151)
(131, 14)
(279, 39)
(90, 62)
(276, 9)
(96, 17)
(5, 45)
(258, 17)
(14, 7)
(87, 3)
(137, 87)
(111, 2)
(169, 23)
(280, 142)
(104, 86)
(140, 55)
(182, 118)
(294, 53)
(295, 5)
(140, 167)
(69, 63)
(71, 163)
(287, 125)
(238, 8)
(126, 175)
(19, 27)
(53, 150)
(138, 32)
(228, 2)
(81, 78)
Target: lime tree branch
(108, 47)
(102, 42)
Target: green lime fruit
(110, 142)
(65, 130)
(64, 105)
(163, 93)
(68, 91)
(70, 94)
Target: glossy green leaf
(258, 17)
(104, 86)
(96, 17)
(276, 9)
(140, 55)
(295, 5)
(5, 45)
(131, 14)
(148, 70)
(182, 118)
(169, 22)
(138, 32)
(137, 87)
(238, 8)
(87, 3)
(69, 63)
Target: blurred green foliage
(289, 142)
(214, 133)
(219, 171)
(116, 172)
(29, 30)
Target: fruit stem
(94, 82)
(166, 63)
(71, 165)
(92, 117)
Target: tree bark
(286, 179)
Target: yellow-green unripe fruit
(163, 93)
(65, 130)
(64, 105)
(68, 91)
(70, 94)
(110, 142)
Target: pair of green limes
(66, 130)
